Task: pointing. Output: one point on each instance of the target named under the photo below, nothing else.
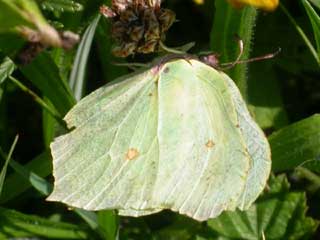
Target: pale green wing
(255, 141)
(258, 149)
(169, 138)
(110, 159)
(203, 161)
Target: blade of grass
(44, 187)
(77, 77)
(49, 125)
(16, 224)
(35, 180)
(315, 22)
(315, 3)
(41, 166)
(302, 34)
(44, 74)
(5, 166)
(39, 100)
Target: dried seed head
(138, 26)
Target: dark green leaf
(44, 74)
(108, 223)
(16, 224)
(296, 144)
(41, 166)
(264, 98)
(276, 216)
(37, 182)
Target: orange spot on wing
(132, 154)
(210, 144)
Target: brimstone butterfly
(174, 136)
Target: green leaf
(5, 166)
(89, 217)
(227, 23)
(264, 88)
(36, 181)
(16, 224)
(6, 69)
(61, 6)
(133, 138)
(315, 22)
(41, 165)
(44, 74)
(108, 223)
(24, 178)
(77, 77)
(277, 215)
(296, 144)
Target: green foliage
(279, 214)
(296, 144)
(282, 95)
(16, 224)
(229, 23)
(61, 5)
(44, 74)
(6, 69)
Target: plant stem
(302, 34)
(39, 100)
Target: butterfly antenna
(255, 59)
(264, 57)
(237, 61)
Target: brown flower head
(138, 26)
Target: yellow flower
(199, 2)
(268, 5)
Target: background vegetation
(283, 95)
